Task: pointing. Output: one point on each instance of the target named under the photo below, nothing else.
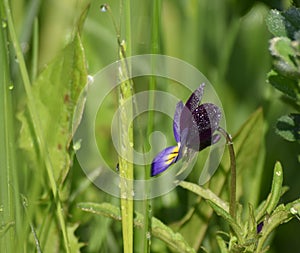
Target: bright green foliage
(56, 92)
(285, 75)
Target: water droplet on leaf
(104, 8)
(77, 145)
(4, 23)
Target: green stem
(155, 29)
(35, 46)
(36, 122)
(232, 202)
(126, 136)
(125, 127)
(7, 156)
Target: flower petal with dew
(194, 127)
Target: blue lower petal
(164, 160)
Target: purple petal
(203, 123)
(195, 99)
(207, 117)
(176, 121)
(164, 160)
(259, 227)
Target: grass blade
(126, 135)
(7, 218)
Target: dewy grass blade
(126, 141)
(8, 187)
(126, 136)
(35, 120)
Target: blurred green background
(227, 40)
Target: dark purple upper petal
(176, 121)
(207, 117)
(195, 99)
(201, 123)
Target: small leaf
(276, 23)
(285, 52)
(274, 195)
(75, 245)
(286, 85)
(205, 193)
(285, 23)
(288, 127)
(222, 244)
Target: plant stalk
(126, 134)
(232, 202)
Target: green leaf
(284, 84)
(75, 245)
(205, 193)
(249, 164)
(56, 92)
(285, 61)
(275, 193)
(285, 23)
(161, 231)
(288, 127)
(222, 244)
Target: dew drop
(293, 211)
(1, 208)
(90, 79)
(77, 145)
(11, 87)
(4, 23)
(104, 8)
(131, 144)
(148, 235)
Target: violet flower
(194, 127)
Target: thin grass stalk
(155, 49)
(7, 149)
(126, 134)
(36, 123)
(35, 46)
